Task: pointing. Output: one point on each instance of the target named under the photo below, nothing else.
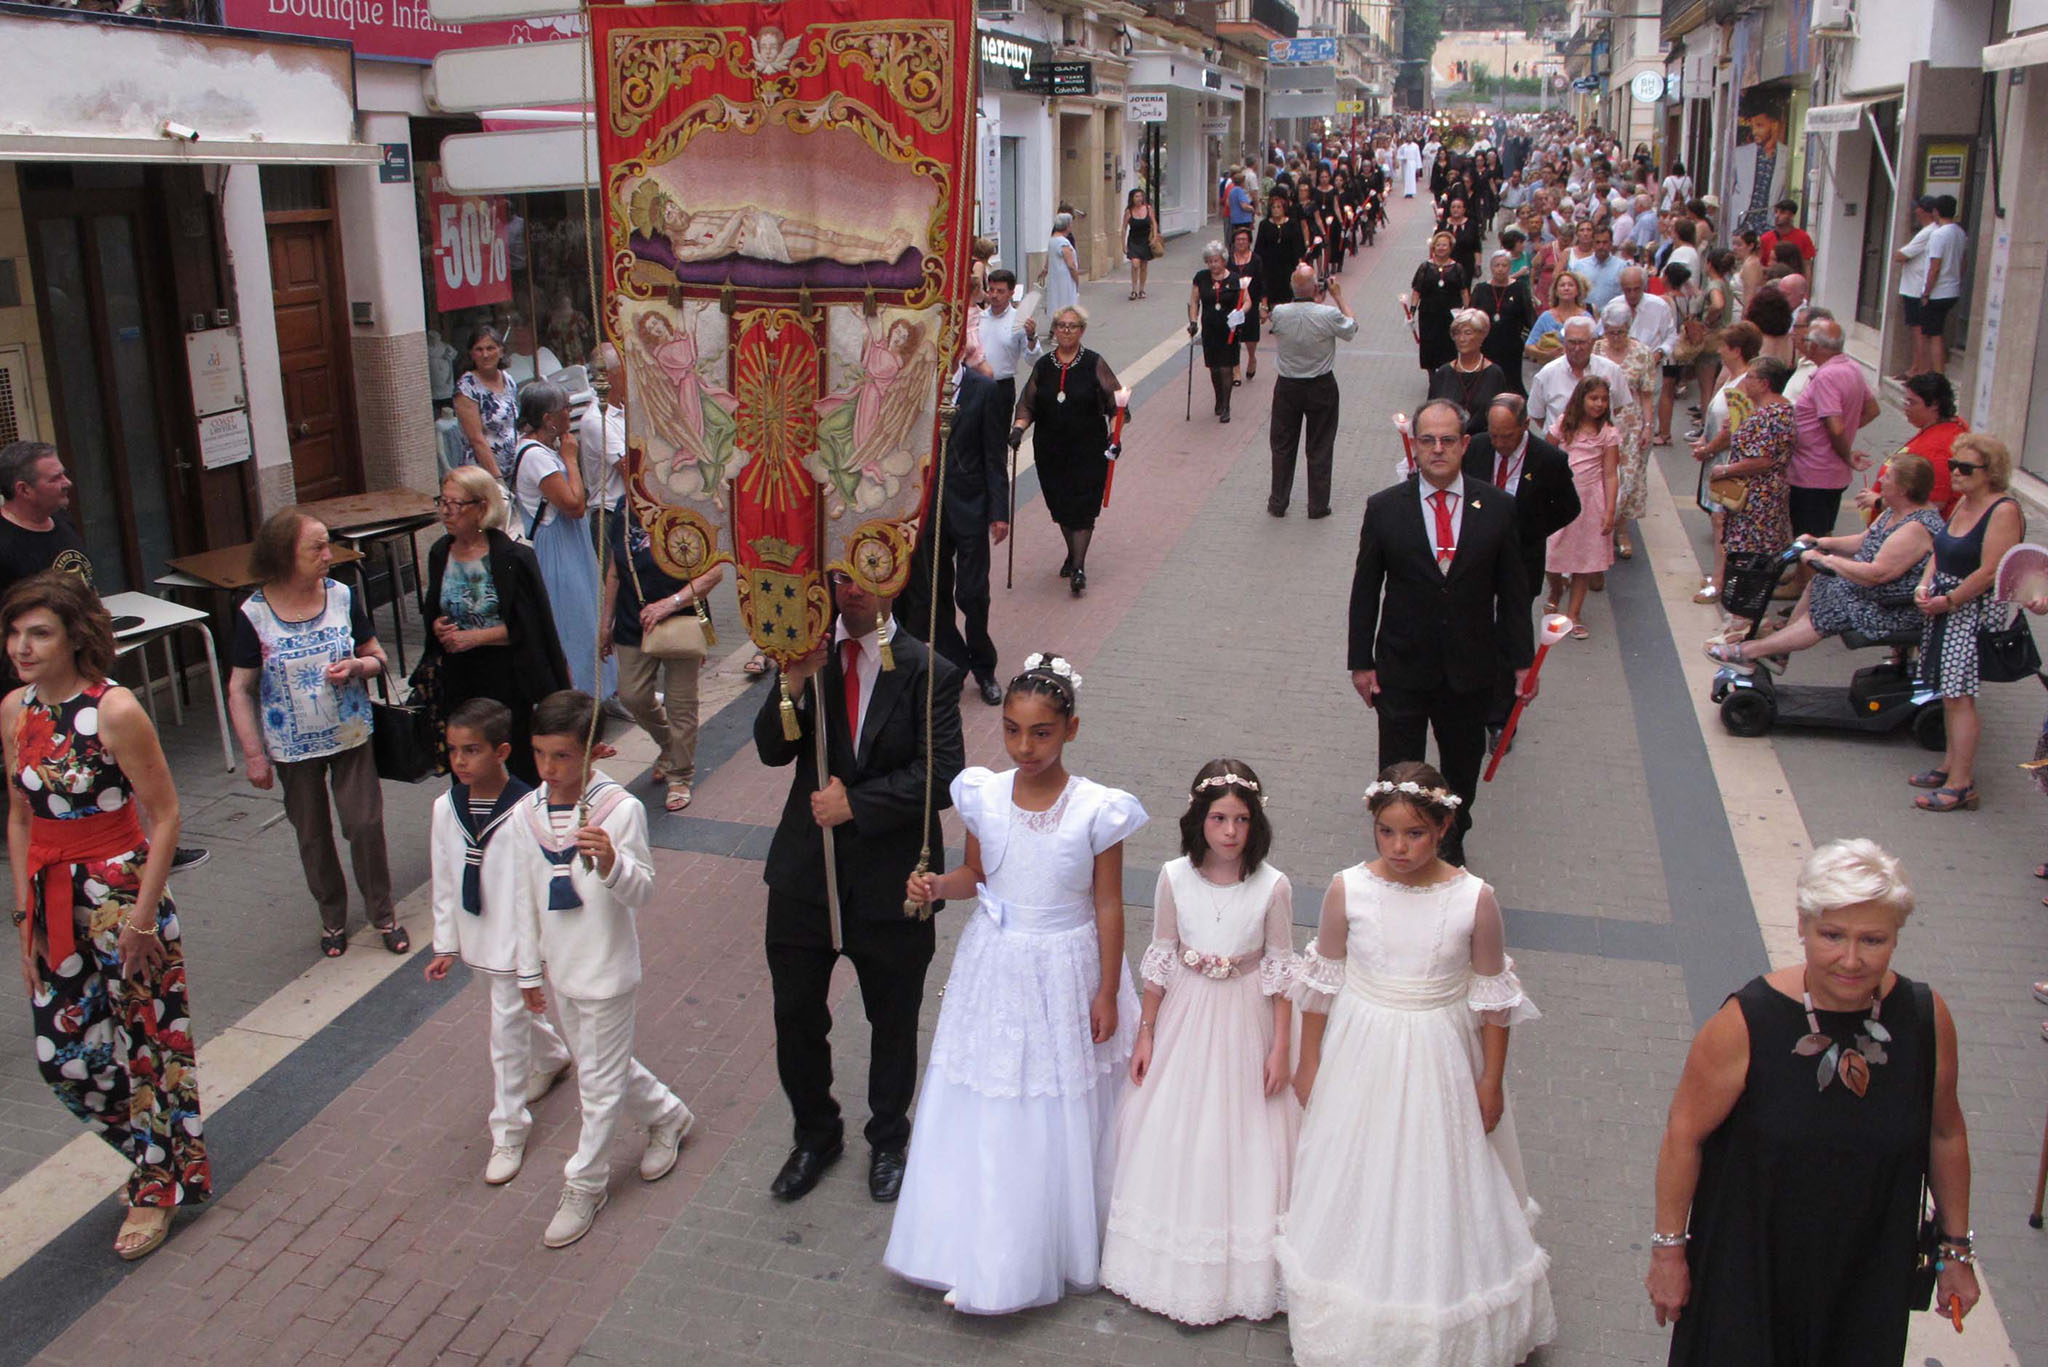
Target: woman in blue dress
(548, 499)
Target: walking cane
(1190, 415)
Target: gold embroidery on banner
(912, 61)
(648, 64)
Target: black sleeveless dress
(1807, 1210)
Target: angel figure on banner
(746, 230)
(772, 52)
(869, 436)
(693, 415)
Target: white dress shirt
(870, 668)
(1003, 341)
(612, 486)
(1551, 390)
(1456, 490)
(1656, 326)
(1515, 459)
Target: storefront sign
(398, 29)
(472, 239)
(1351, 106)
(991, 186)
(213, 359)
(1064, 78)
(1012, 63)
(224, 439)
(1145, 106)
(396, 168)
(1646, 87)
(1216, 128)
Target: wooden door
(312, 355)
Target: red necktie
(1500, 480)
(1446, 539)
(849, 665)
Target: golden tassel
(704, 617)
(790, 730)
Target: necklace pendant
(1060, 397)
(1811, 1045)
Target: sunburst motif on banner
(777, 385)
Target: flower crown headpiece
(1436, 796)
(1228, 779)
(1056, 665)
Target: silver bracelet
(1668, 1240)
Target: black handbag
(405, 741)
(2007, 654)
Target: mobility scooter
(1880, 697)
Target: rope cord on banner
(601, 382)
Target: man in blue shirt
(1243, 205)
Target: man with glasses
(1439, 599)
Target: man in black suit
(873, 802)
(1438, 603)
(976, 516)
(1537, 478)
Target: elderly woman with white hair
(1219, 304)
(1510, 312)
(1813, 1107)
(1070, 398)
(1634, 413)
(1061, 275)
(1469, 379)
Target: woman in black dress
(1218, 292)
(1070, 397)
(1333, 222)
(1280, 245)
(1465, 237)
(1469, 379)
(1812, 1107)
(1247, 267)
(1504, 298)
(1310, 213)
(1138, 227)
(1440, 285)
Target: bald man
(1305, 336)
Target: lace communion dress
(1203, 1155)
(1407, 1241)
(1008, 1180)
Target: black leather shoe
(1077, 583)
(1066, 567)
(1316, 514)
(991, 691)
(802, 1169)
(1493, 735)
(885, 1174)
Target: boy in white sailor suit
(577, 890)
(474, 879)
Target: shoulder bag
(2006, 652)
(682, 635)
(405, 738)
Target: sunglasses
(449, 505)
(1964, 467)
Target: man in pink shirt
(1826, 418)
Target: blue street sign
(1302, 50)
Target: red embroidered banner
(786, 193)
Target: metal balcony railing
(1276, 15)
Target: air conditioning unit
(17, 405)
(1834, 16)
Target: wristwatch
(20, 916)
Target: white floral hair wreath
(1436, 796)
(1228, 779)
(1056, 665)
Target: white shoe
(504, 1163)
(952, 1300)
(541, 1081)
(574, 1217)
(664, 1146)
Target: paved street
(1642, 854)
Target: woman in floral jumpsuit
(100, 950)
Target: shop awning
(1171, 71)
(526, 161)
(102, 87)
(1844, 116)
(2029, 49)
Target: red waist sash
(53, 842)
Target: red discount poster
(472, 237)
(786, 193)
